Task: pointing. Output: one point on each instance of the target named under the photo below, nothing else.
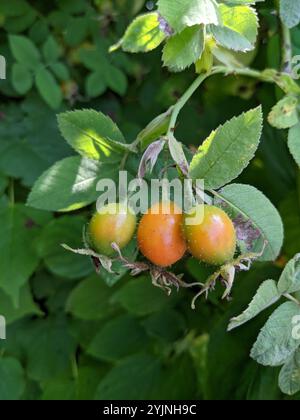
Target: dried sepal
(226, 274)
(161, 278)
(150, 157)
(98, 260)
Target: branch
(184, 99)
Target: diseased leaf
(266, 295)
(228, 150)
(276, 342)
(284, 114)
(255, 206)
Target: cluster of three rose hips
(164, 237)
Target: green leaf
(90, 300)
(284, 114)
(48, 347)
(116, 80)
(228, 150)
(276, 341)
(75, 30)
(60, 262)
(289, 281)
(143, 34)
(135, 378)
(12, 379)
(140, 297)
(22, 79)
(22, 153)
(48, 88)
(184, 49)
(24, 51)
(95, 85)
(167, 325)
(18, 256)
(254, 206)
(185, 13)
(239, 28)
(290, 12)
(60, 70)
(81, 388)
(14, 8)
(289, 378)
(124, 329)
(266, 296)
(51, 50)
(70, 184)
(25, 306)
(91, 134)
(294, 142)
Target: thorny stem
(184, 99)
(256, 74)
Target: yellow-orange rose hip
(113, 223)
(160, 235)
(213, 240)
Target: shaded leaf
(266, 295)
(276, 341)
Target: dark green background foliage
(70, 335)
